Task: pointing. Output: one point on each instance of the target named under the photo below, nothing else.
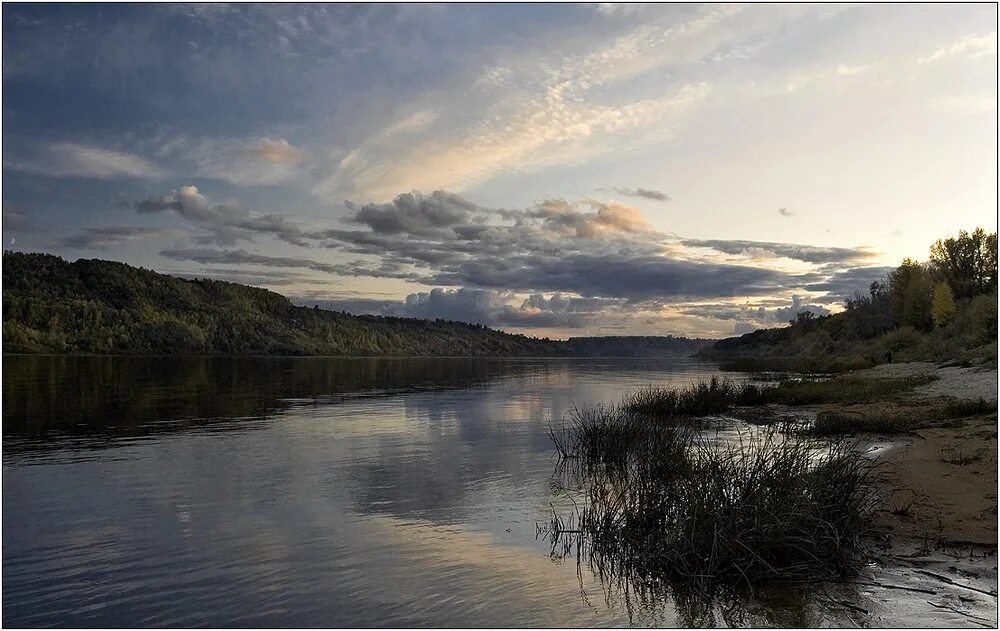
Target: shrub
(901, 338)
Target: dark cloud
(415, 214)
(806, 253)
(242, 257)
(103, 238)
(841, 284)
(645, 193)
(14, 218)
(255, 278)
(614, 275)
(590, 250)
(225, 224)
(593, 249)
(749, 318)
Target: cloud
(14, 218)
(242, 257)
(969, 47)
(278, 151)
(415, 214)
(557, 263)
(487, 307)
(847, 71)
(562, 217)
(592, 249)
(806, 253)
(248, 161)
(225, 224)
(491, 308)
(547, 129)
(784, 212)
(843, 283)
(73, 160)
(254, 277)
(103, 238)
(527, 112)
(645, 193)
(750, 318)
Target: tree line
(938, 309)
(102, 307)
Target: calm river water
(302, 492)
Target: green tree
(943, 308)
(910, 295)
(967, 262)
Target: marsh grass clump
(715, 396)
(832, 423)
(959, 457)
(675, 506)
(960, 408)
(698, 399)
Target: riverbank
(941, 477)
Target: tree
(943, 307)
(968, 262)
(910, 295)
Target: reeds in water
(665, 504)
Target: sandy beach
(942, 478)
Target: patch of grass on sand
(959, 457)
(960, 408)
(895, 421)
(831, 423)
(846, 389)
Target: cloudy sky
(551, 169)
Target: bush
(902, 338)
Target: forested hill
(95, 306)
(92, 306)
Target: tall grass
(715, 396)
(663, 503)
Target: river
(305, 492)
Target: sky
(550, 169)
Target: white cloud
(969, 47)
(66, 159)
(530, 112)
(846, 71)
(253, 160)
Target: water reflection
(51, 398)
(228, 492)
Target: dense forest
(51, 305)
(943, 309)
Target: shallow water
(314, 492)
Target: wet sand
(942, 479)
(939, 511)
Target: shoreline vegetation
(941, 310)
(796, 496)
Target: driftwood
(945, 579)
(975, 619)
